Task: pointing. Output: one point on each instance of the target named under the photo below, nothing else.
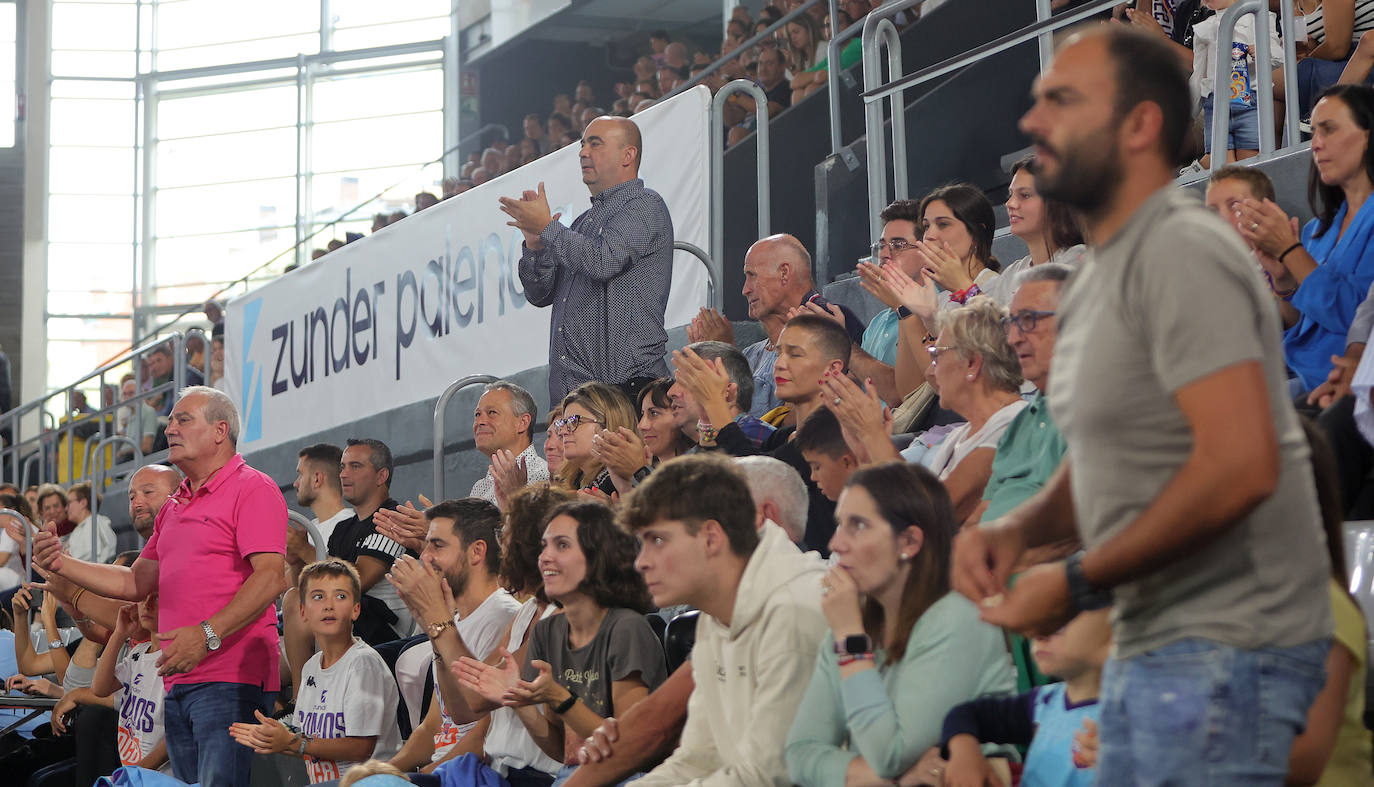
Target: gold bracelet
(76, 596)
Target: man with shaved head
(148, 490)
(607, 275)
(777, 279)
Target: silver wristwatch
(212, 641)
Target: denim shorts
(1199, 712)
(1242, 129)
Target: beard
(457, 579)
(143, 525)
(1089, 171)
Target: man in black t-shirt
(365, 476)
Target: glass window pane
(355, 13)
(248, 51)
(377, 95)
(77, 88)
(82, 62)
(226, 158)
(76, 346)
(395, 33)
(93, 26)
(90, 218)
(92, 122)
(219, 258)
(219, 113)
(90, 301)
(333, 194)
(97, 266)
(378, 142)
(232, 206)
(74, 170)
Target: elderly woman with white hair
(978, 376)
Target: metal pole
(897, 111)
(712, 283)
(718, 163)
(1290, 73)
(1221, 66)
(316, 537)
(1263, 81)
(1042, 14)
(832, 82)
(439, 407)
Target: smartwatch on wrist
(566, 705)
(903, 312)
(1085, 597)
(853, 645)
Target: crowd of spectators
(790, 562)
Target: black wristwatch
(903, 312)
(853, 645)
(1085, 597)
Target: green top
(1027, 455)
(892, 714)
(852, 53)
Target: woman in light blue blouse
(1321, 276)
(905, 649)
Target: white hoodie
(751, 675)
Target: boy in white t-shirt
(137, 688)
(346, 705)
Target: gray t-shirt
(624, 645)
(1172, 299)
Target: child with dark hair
(821, 442)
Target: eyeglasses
(1025, 321)
(896, 245)
(936, 349)
(566, 426)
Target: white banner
(394, 318)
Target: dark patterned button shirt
(607, 279)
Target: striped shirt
(1364, 22)
(607, 279)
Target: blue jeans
(197, 718)
(1199, 712)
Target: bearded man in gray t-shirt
(1187, 475)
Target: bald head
(612, 148)
(149, 488)
(777, 275)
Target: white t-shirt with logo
(140, 704)
(355, 697)
(481, 632)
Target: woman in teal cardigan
(905, 648)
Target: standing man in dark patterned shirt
(607, 275)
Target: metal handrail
(439, 407)
(316, 537)
(1030, 32)
(880, 33)
(761, 160)
(1290, 72)
(712, 282)
(1262, 80)
(833, 49)
(98, 483)
(737, 51)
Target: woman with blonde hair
(590, 408)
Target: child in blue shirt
(1046, 717)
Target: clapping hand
(543, 689)
(919, 295)
(622, 451)
(707, 381)
(509, 474)
(710, 325)
(1266, 227)
(268, 736)
(530, 214)
(871, 279)
(864, 419)
(406, 525)
(488, 681)
(425, 592)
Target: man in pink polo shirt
(218, 549)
